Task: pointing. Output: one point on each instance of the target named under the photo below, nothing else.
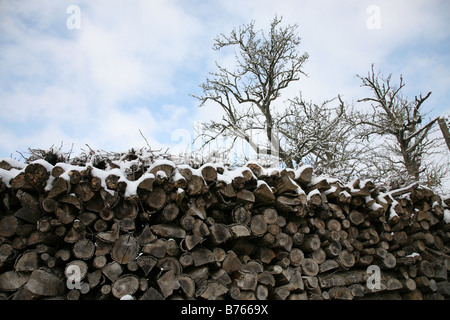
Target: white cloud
(108, 68)
(119, 129)
(83, 81)
(132, 66)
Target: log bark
(146, 263)
(311, 243)
(346, 259)
(193, 234)
(356, 217)
(328, 265)
(170, 212)
(426, 269)
(241, 215)
(310, 267)
(8, 226)
(304, 175)
(231, 263)
(168, 231)
(156, 198)
(187, 285)
(12, 280)
(245, 197)
(261, 292)
(112, 270)
(211, 291)
(296, 257)
(340, 293)
(44, 283)
(167, 283)
(202, 256)
(125, 249)
(84, 249)
(285, 184)
(264, 195)
(239, 230)
(258, 225)
(127, 284)
(333, 249)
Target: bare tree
(265, 66)
(400, 122)
(322, 135)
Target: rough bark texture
(250, 235)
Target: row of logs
(211, 233)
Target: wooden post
(445, 131)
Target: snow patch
(177, 176)
(49, 184)
(44, 163)
(7, 175)
(238, 172)
(159, 162)
(375, 206)
(412, 255)
(381, 198)
(300, 191)
(315, 191)
(224, 178)
(392, 212)
(132, 186)
(346, 194)
(13, 163)
(161, 174)
(261, 182)
(300, 170)
(447, 216)
(333, 189)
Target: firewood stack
(174, 232)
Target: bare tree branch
(398, 118)
(264, 67)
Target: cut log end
(173, 232)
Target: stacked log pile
(174, 232)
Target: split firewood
(215, 233)
(125, 249)
(125, 285)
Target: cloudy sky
(97, 72)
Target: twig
(70, 152)
(21, 155)
(145, 139)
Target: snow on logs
(175, 232)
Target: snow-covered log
(139, 228)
